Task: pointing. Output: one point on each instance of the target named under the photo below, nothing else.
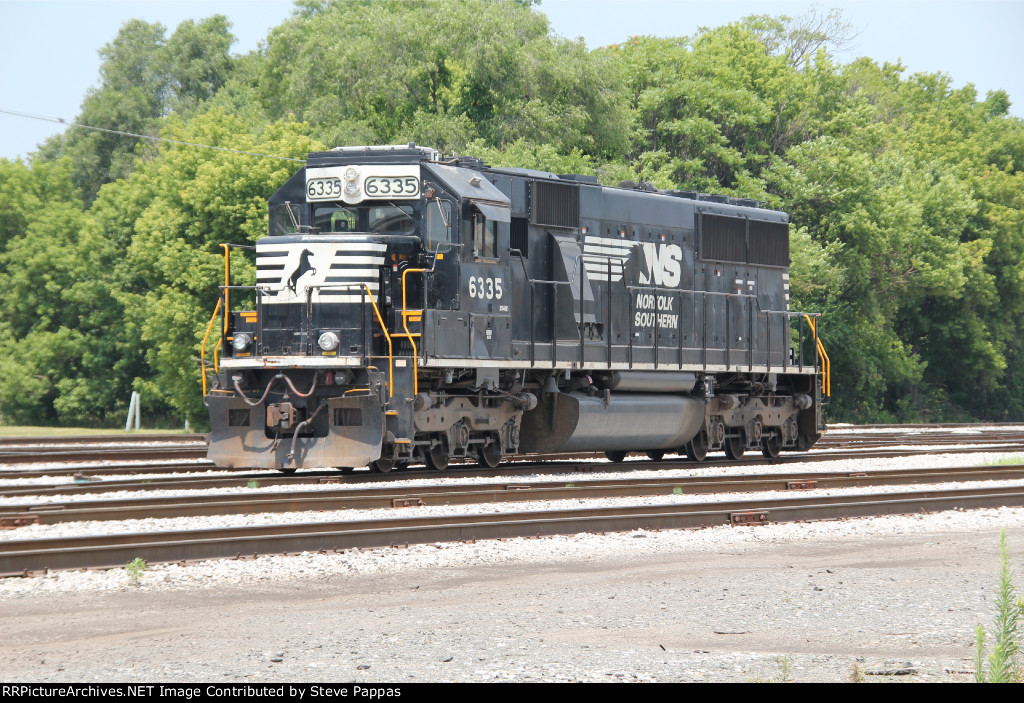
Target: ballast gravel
(888, 598)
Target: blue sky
(48, 48)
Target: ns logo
(654, 264)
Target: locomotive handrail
(408, 334)
(227, 246)
(826, 369)
(391, 358)
(577, 266)
(366, 294)
(202, 348)
(438, 255)
(755, 309)
(261, 290)
(785, 314)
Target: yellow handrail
(384, 328)
(227, 287)
(202, 349)
(826, 368)
(409, 335)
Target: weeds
(857, 674)
(785, 665)
(1004, 661)
(134, 569)
(785, 669)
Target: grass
(30, 432)
(1007, 461)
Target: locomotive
(411, 308)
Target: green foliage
(134, 569)
(447, 71)
(906, 194)
(143, 77)
(184, 205)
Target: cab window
(335, 219)
(485, 240)
(391, 219)
(437, 225)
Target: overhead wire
(60, 120)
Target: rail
(752, 305)
(691, 346)
(826, 369)
(555, 285)
(367, 298)
(202, 347)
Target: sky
(48, 48)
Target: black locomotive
(411, 308)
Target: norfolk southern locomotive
(410, 308)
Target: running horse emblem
(304, 267)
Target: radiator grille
(769, 243)
(725, 239)
(555, 204)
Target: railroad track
(22, 455)
(66, 450)
(72, 440)
(394, 496)
(28, 556)
(83, 477)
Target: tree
(143, 77)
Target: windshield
(379, 219)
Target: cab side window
(485, 239)
(438, 224)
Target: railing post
(582, 351)
(750, 334)
(608, 316)
(728, 332)
(679, 327)
(704, 330)
(629, 292)
(554, 328)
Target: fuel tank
(614, 421)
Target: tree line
(906, 194)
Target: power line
(59, 120)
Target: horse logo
(304, 267)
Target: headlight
(351, 174)
(241, 342)
(351, 189)
(328, 341)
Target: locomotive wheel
(437, 457)
(734, 447)
(697, 448)
(489, 455)
(615, 456)
(771, 446)
(382, 465)
(346, 470)
(656, 455)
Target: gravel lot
(893, 598)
